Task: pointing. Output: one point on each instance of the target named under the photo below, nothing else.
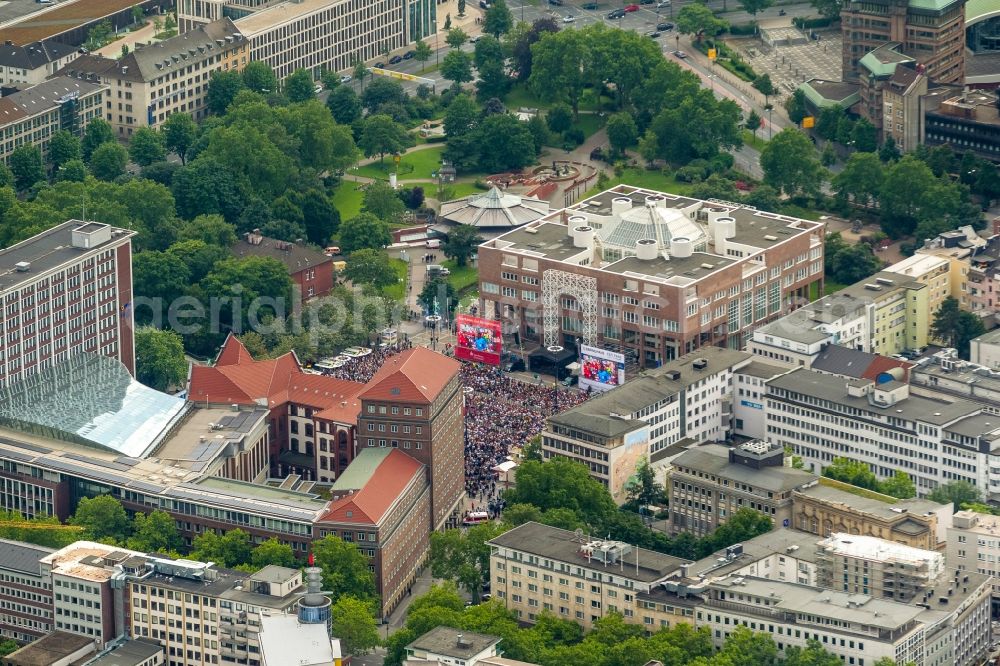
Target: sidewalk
(143, 35)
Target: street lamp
(433, 320)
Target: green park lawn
(396, 291)
(461, 278)
(416, 165)
(520, 95)
(458, 190)
(347, 199)
(755, 141)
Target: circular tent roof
(494, 210)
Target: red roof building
(382, 504)
(414, 403)
(313, 417)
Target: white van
(433, 244)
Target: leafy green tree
(848, 264)
(463, 241)
(795, 106)
(622, 132)
(559, 118)
(559, 63)
(698, 20)
(956, 327)
(198, 256)
(643, 489)
(155, 532)
(108, 161)
(790, 164)
(323, 144)
(827, 8)
(345, 569)
(956, 492)
(828, 122)
(364, 231)
(763, 82)
(227, 550)
(370, 266)
(743, 525)
(889, 152)
(26, 164)
(695, 125)
(860, 180)
(382, 91)
(853, 472)
(744, 646)
(864, 136)
(72, 171)
(360, 73)
(98, 132)
(212, 229)
(381, 135)
(159, 358)
(461, 116)
(814, 655)
(103, 517)
(899, 485)
(222, 90)
(498, 19)
(512, 145)
(464, 556)
(383, 202)
(354, 624)
(421, 51)
(179, 134)
(456, 66)
(910, 193)
(437, 296)
(562, 484)
(518, 43)
(207, 186)
(63, 147)
(252, 279)
(147, 146)
(273, 552)
(299, 86)
(753, 122)
(259, 77)
(344, 104)
(456, 37)
(7, 646)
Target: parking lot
(643, 20)
(789, 66)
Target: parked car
(569, 19)
(409, 55)
(662, 3)
(631, 8)
(666, 25)
(589, 5)
(483, 4)
(346, 78)
(318, 88)
(474, 39)
(616, 14)
(395, 60)
(379, 65)
(680, 54)
(557, 3)
(653, 33)
(646, 2)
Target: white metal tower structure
(583, 289)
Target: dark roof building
(58, 648)
(309, 268)
(32, 63)
(491, 213)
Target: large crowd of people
(501, 414)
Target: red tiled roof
(368, 505)
(415, 375)
(238, 378)
(882, 364)
(233, 352)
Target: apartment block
(65, 290)
(930, 270)
(414, 403)
(536, 568)
(934, 440)
(861, 564)
(831, 506)
(688, 399)
(317, 35)
(32, 115)
(708, 484)
(974, 546)
(933, 34)
(383, 505)
(884, 314)
(171, 76)
(25, 594)
(648, 274)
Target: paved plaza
(791, 65)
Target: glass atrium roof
(90, 400)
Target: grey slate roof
(843, 361)
(21, 556)
(33, 55)
(444, 641)
(713, 459)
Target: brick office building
(414, 403)
(383, 506)
(67, 289)
(652, 274)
